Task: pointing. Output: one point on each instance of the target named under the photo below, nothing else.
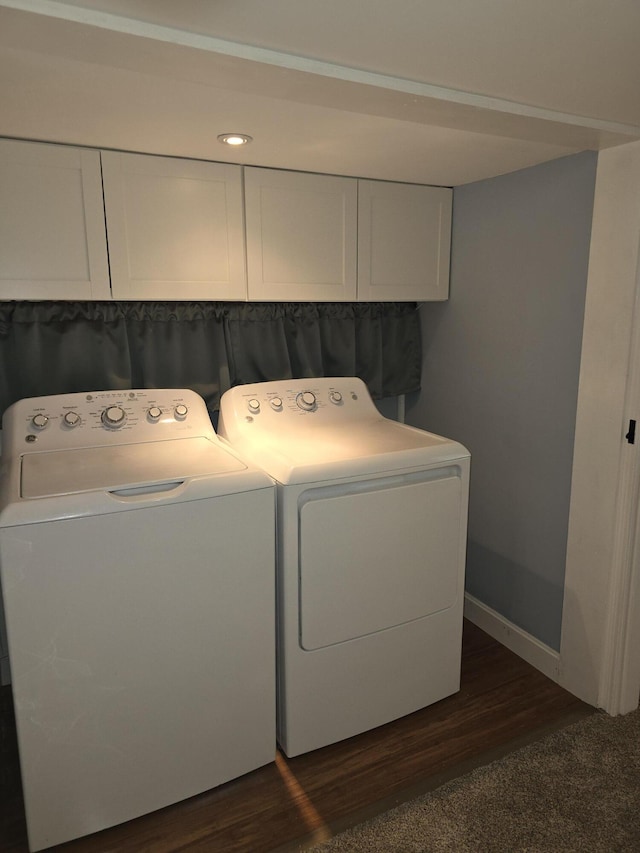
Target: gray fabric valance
(59, 347)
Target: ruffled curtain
(59, 347)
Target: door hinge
(631, 435)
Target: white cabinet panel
(52, 233)
(301, 236)
(404, 239)
(175, 228)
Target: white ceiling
(433, 91)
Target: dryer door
(379, 553)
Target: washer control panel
(104, 417)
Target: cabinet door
(52, 234)
(404, 241)
(301, 236)
(175, 228)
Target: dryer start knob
(306, 400)
(180, 412)
(114, 417)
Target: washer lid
(64, 472)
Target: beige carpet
(576, 790)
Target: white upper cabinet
(301, 236)
(404, 241)
(175, 228)
(52, 235)
(326, 238)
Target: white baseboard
(539, 655)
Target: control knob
(306, 400)
(254, 405)
(71, 419)
(154, 414)
(180, 412)
(276, 403)
(114, 417)
(335, 397)
(39, 421)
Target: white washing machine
(140, 621)
(371, 519)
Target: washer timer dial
(306, 400)
(114, 417)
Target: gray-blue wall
(500, 374)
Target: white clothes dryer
(140, 626)
(372, 518)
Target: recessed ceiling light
(234, 138)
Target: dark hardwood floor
(503, 703)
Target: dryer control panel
(66, 421)
(328, 400)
